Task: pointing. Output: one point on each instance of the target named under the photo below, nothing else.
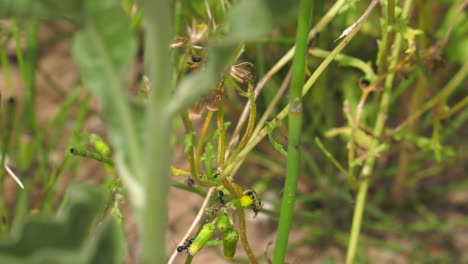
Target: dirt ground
(56, 68)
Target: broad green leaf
(103, 50)
(67, 237)
(252, 20)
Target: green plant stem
(6, 72)
(6, 139)
(454, 109)
(369, 164)
(203, 133)
(156, 178)
(236, 193)
(222, 134)
(418, 96)
(28, 74)
(387, 38)
(92, 155)
(191, 152)
(272, 104)
(347, 61)
(294, 132)
(448, 89)
(321, 25)
(330, 156)
(257, 137)
(250, 125)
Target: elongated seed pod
(203, 236)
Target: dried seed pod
(198, 33)
(212, 102)
(196, 111)
(178, 42)
(240, 74)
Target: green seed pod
(230, 243)
(200, 240)
(225, 223)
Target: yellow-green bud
(200, 240)
(246, 201)
(102, 148)
(230, 243)
(225, 223)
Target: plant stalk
(158, 151)
(294, 129)
(368, 167)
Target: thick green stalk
(294, 129)
(158, 151)
(378, 129)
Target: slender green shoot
(156, 177)
(294, 129)
(91, 155)
(368, 167)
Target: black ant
(221, 197)
(196, 58)
(215, 173)
(195, 61)
(186, 245)
(190, 182)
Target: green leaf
(188, 141)
(274, 143)
(103, 50)
(208, 157)
(66, 238)
(252, 20)
(40, 9)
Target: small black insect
(221, 197)
(190, 181)
(196, 58)
(186, 245)
(215, 173)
